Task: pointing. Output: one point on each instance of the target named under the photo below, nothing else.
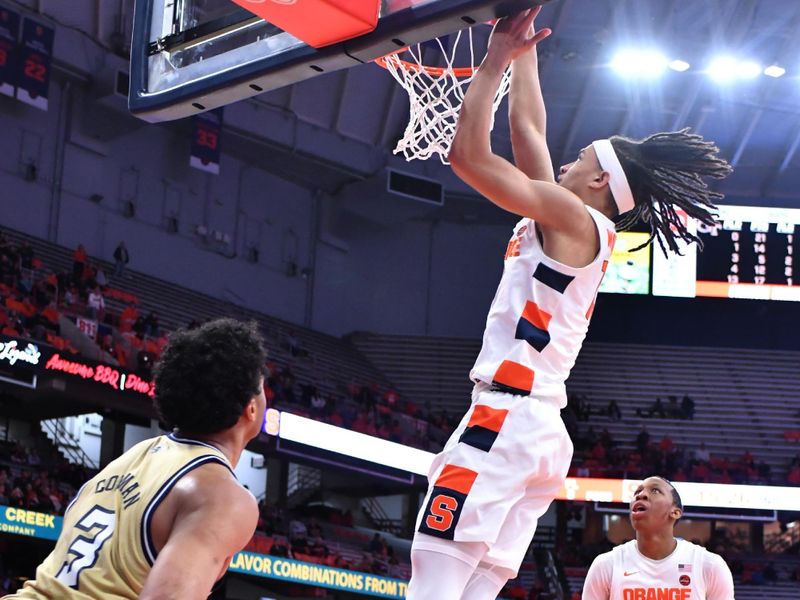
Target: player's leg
(504, 557)
(442, 575)
(486, 582)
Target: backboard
(189, 56)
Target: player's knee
(437, 576)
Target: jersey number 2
(98, 525)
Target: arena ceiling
(756, 122)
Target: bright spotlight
(723, 69)
(679, 65)
(774, 71)
(641, 63)
(749, 69)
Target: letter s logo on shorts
(440, 514)
(447, 499)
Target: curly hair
(206, 376)
(665, 172)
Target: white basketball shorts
(495, 477)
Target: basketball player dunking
(505, 462)
(163, 520)
(656, 564)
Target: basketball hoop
(435, 95)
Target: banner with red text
(35, 58)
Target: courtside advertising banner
(9, 35)
(35, 56)
(29, 523)
(286, 569)
(34, 524)
(206, 134)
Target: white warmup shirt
(540, 315)
(690, 573)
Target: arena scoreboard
(749, 252)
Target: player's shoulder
(607, 558)
(711, 560)
(623, 548)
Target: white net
(435, 95)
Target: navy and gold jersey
(105, 549)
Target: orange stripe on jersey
(487, 417)
(590, 312)
(536, 316)
(612, 239)
(458, 479)
(514, 375)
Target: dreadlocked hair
(665, 172)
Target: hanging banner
(205, 141)
(35, 56)
(9, 35)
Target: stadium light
(774, 71)
(723, 69)
(749, 69)
(679, 65)
(639, 63)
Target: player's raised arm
(215, 518)
(471, 154)
(527, 115)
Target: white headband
(620, 189)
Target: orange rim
(433, 71)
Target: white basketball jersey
(540, 315)
(677, 577)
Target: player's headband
(618, 182)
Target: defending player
(505, 462)
(656, 564)
(163, 520)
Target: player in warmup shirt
(163, 520)
(656, 565)
(509, 456)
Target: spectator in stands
(100, 277)
(292, 344)
(78, 262)
(97, 304)
(666, 444)
(280, 548)
(764, 472)
(687, 407)
(26, 255)
(121, 259)
(770, 574)
(151, 324)
(319, 405)
(656, 408)
(314, 530)
(297, 530)
(793, 478)
(643, 440)
(71, 296)
(613, 411)
(673, 408)
(701, 454)
(376, 543)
